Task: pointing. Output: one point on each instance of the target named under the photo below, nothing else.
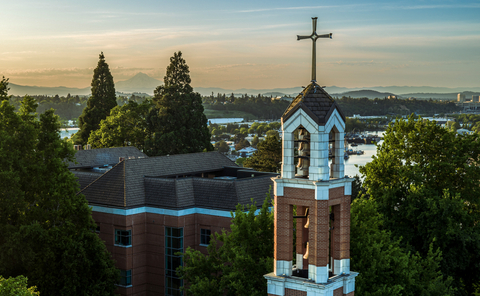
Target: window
(125, 278)
(123, 237)
(205, 236)
(173, 244)
(97, 230)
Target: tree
(4, 89)
(103, 99)
(268, 156)
(425, 181)
(255, 141)
(125, 126)
(16, 286)
(177, 124)
(222, 146)
(385, 267)
(46, 227)
(236, 260)
(242, 144)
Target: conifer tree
(103, 99)
(177, 124)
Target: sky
(243, 44)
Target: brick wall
(146, 256)
(290, 292)
(338, 292)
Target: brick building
(149, 208)
(312, 125)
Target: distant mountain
(364, 93)
(141, 83)
(21, 90)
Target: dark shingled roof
(103, 156)
(205, 193)
(316, 102)
(136, 182)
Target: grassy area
(228, 114)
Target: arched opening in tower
(302, 152)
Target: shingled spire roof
(316, 102)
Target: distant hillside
(21, 90)
(141, 83)
(367, 93)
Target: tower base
(339, 285)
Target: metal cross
(314, 38)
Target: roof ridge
(104, 175)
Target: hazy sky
(243, 44)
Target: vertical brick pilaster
(283, 232)
(319, 233)
(344, 228)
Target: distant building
(460, 98)
(475, 98)
(392, 97)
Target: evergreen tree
(4, 89)
(177, 124)
(46, 227)
(103, 99)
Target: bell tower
(313, 129)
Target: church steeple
(313, 127)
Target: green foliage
(16, 286)
(46, 226)
(261, 107)
(385, 267)
(236, 260)
(103, 99)
(177, 124)
(222, 146)
(255, 141)
(268, 156)
(384, 106)
(242, 144)
(4, 89)
(125, 126)
(425, 181)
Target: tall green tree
(46, 227)
(125, 126)
(103, 99)
(236, 260)
(425, 181)
(385, 267)
(268, 156)
(4, 89)
(177, 124)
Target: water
(370, 150)
(225, 120)
(351, 164)
(67, 132)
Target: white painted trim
(300, 118)
(160, 211)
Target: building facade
(149, 208)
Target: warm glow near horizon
(244, 44)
